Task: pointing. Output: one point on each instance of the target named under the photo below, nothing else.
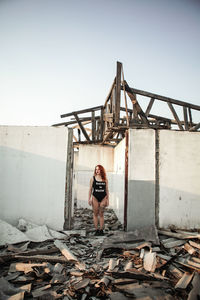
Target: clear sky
(57, 56)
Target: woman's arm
(90, 192)
(107, 193)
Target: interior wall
(33, 174)
(141, 178)
(87, 158)
(179, 179)
(113, 161)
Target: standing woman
(98, 197)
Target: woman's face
(97, 171)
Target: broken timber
(106, 124)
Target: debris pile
(143, 264)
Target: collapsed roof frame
(108, 125)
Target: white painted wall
(179, 179)
(33, 174)
(87, 158)
(113, 161)
(141, 178)
(118, 180)
(91, 155)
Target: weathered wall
(33, 174)
(141, 178)
(179, 179)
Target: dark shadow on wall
(176, 207)
(32, 187)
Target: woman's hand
(90, 202)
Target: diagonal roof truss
(127, 107)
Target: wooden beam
(149, 106)
(165, 99)
(74, 121)
(194, 128)
(82, 111)
(93, 126)
(117, 94)
(190, 116)
(185, 118)
(81, 127)
(69, 181)
(136, 105)
(102, 125)
(107, 136)
(110, 92)
(175, 116)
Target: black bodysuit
(99, 189)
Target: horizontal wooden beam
(82, 111)
(74, 121)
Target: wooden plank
(65, 251)
(189, 248)
(175, 116)
(42, 258)
(117, 99)
(82, 111)
(108, 117)
(179, 235)
(190, 116)
(75, 122)
(125, 100)
(107, 136)
(157, 177)
(93, 126)
(81, 127)
(185, 118)
(69, 181)
(165, 99)
(110, 92)
(193, 244)
(102, 125)
(184, 281)
(151, 102)
(194, 128)
(126, 180)
(136, 105)
(79, 135)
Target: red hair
(102, 172)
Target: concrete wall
(179, 179)
(141, 178)
(33, 174)
(118, 180)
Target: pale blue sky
(57, 56)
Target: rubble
(76, 264)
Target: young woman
(98, 197)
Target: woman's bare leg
(95, 206)
(101, 212)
